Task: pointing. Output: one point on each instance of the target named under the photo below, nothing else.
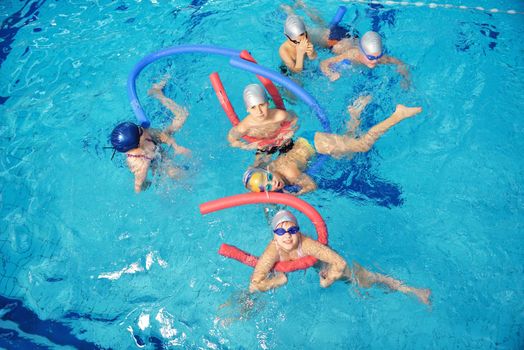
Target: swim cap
(294, 27)
(283, 216)
(255, 179)
(254, 95)
(371, 43)
(125, 136)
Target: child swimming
(289, 243)
(287, 172)
(143, 146)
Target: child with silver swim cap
(290, 244)
(287, 173)
(301, 40)
(272, 128)
(297, 46)
(369, 53)
(142, 146)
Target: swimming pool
(86, 263)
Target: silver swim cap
(371, 43)
(283, 216)
(294, 27)
(254, 95)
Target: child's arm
(306, 183)
(297, 65)
(140, 173)
(402, 68)
(337, 265)
(166, 138)
(259, 279)
(325, 66)
(235, 136)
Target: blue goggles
(281, 231)
(370, 57)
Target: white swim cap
(254, 95)
(283, 216)
(294, 27)
(371, 43)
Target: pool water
(438, 202)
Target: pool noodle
(273, 198)
(338, 16)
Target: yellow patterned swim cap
(255, 179)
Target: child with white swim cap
(302, 40)
(272, 128)
(369, 53)
(297, 46)
(287, 173)
(290, 244)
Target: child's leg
(367, 279)
(339, 145)
(178, 111)
(354, 111)
(311, 13)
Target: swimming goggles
(282, 231)
(370, 57)
(269, 184)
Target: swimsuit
(337, 33)
(299, 251)
(157, 154)
(285, 70)
(282, 149)
(139, 156)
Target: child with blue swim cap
(370, 53)
(143, 146)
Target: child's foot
(287, 9)
(158, 88)
(404, 112)
(423, 295)
(299, 4)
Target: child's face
(299, 38)
(259, 111)
(275, 181)
(370, 63)
(287, 241)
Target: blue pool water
(438, 202)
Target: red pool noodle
(274, 198)
(230, 111)
(268, 84)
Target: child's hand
(405, 84)
(302, 47)
(280, 278)
(182, 150)
(324, 280)
(334, 76)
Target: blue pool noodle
(131, 80)
(288, 84)
(235, 62)
(295, 89)
(338, 16)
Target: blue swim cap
(125, 136)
